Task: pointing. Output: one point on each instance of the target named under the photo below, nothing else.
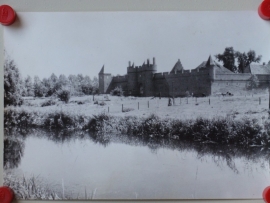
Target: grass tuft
(30, 188)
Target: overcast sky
(73, 43)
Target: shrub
(128, 109)
(80, 102)
(49, 102)
(253, 82)
(13, 85)
(102, 103)
(106, 98)
(19, 118)
(27, 103)
(117, 91)
(222, 130)
(63, 95)
(97, 123)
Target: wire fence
(127, 104)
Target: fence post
(187, 100)
(209, 101)
(122, 107)
(138, 105)
(196, 99)
(93, 97)
(108, 109)
(148, 104)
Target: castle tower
(145, 78)
(132, 82)
(211, 65)
(104, 81)
(178, 67)
(210, 62)
(140, 79)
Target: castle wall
(132, 83)
(237, 83)
(234, 83)
(104, 82)
(196, 82)
(160, 85)
(233, 76)
(263, 81)
(101, 84)
(118, 81)
(144, 81)
(224, 86)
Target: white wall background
(120, 5)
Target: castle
(209, 78)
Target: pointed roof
(177, 67)
(210, 61)
(102, 70)
(202, 65)
(258, 69)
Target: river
(81, 165)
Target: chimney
(148, 62)
(154, 61)
(129, 64)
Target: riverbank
(220, 130)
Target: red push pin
(266, 194)
(264, 10)
(6, 194)
(7, 15)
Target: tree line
(237, 61)
(15, 87)
(77, 85)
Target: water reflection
(13, 152)
(14, 146)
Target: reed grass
(221, 130)
(30, 188)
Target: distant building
(207, 79)
(261, 71)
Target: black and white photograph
(137, 105)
